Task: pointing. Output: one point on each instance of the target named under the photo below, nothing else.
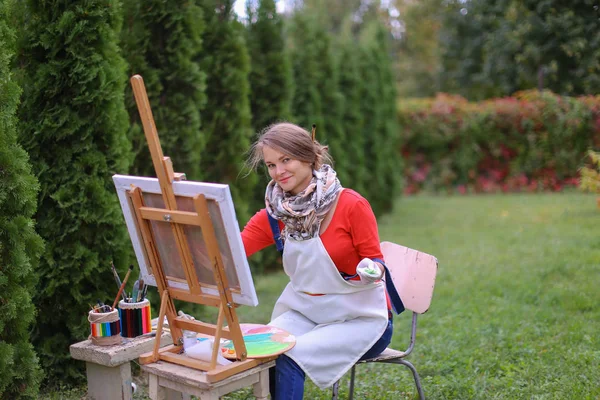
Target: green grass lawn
(515, 309)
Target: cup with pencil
(134, 307)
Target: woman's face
(292, 175)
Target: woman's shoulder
(351, 197)
(259, 219)
(351, 202)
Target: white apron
(332, 331)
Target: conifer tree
(161, 41)
(371, 111)
(20, 246)
(307, 104)
(351, 122)
(271, 81)
(226, 116)
(317, 99)
(384, 167)
(271, 86)
(331, 131)
(74, 126)
(392, 164)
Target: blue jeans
(286, 380)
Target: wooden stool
(107, 367)
(164, 375)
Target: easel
(177, 219)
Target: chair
(413, 274)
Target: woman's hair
(290, 140)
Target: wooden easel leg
(161, 318)
(217, 343)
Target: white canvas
(227, 231)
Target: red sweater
(351, 235)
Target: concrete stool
(107, 367)
(164, 377)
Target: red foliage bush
(532, 141)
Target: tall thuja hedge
(307, 104)
(331, 131)
(271, 80)
(226, 116)
(161, 41)
(384, 166)
(74, 126)
(392, 166)
(352, 121)
(271, 85)
(21, 246)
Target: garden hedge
(73, 124)
(20, 245)
(531, 141)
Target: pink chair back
(413, 274)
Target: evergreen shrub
(307, 104)
(271, 82)
(271, 86)
(20, 245)
(383, 166)
(74, 126)
(529, 142)
(161, 41)
(352, 120)
(226, 116)
(331, 133)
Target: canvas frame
(221, 195)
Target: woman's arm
(365, 237)
(257, 233)
(364, 231)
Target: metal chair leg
(415, 376)
(334, 394)
(352, 373)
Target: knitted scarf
(302, 214)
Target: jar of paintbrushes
(134, 311)
(104, 325)
(135, 318)
(134, 308)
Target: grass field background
(515, 309)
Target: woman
(335, 303)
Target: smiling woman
(332, 256)
(292, 175)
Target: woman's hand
(369, 271)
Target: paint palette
(261, 341)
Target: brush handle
(135, 291)
(121, 288)
(141, 287)
(117, 279)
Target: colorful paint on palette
(261, 341)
